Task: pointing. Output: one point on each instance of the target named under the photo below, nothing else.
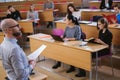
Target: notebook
(57, 38)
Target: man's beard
(17, 34)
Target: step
(38, 76)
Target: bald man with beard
(14, 59)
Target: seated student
(104, 37)
(117, 12)
(12, 13)
(106, 4)
(49, 5)
(72, 32)
(72, 10)
(33, 15)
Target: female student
(72, 10)
(104, 37)
(33, 15)
(72, 32)
(106, 4)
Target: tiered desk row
(96, 4)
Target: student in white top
(72, 10)
(33, 15)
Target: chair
(111, 61)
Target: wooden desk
(69, 52)
(1, 36)
(87, 14)
(62, 6)
(27, 26)
(91, 31)
(97, 3)
(46, 15)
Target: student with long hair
(72, 10)
(104, 37)
(33, 15)
(72, 32)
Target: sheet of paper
(85, 22)
(36, 53)
(93, 24)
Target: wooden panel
(61, 6)
(97, 3)
(46, 15)
(43, 15)
(88, 15)
(2, 72)
(116, 34)
(76, 2)
(90, 31)
(27, 26)
(1, 36)
(64, 54)
(61, 25)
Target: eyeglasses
(15, 26)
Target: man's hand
(32, 63)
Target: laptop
(57, 38)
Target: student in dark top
(72, 32)
(12, 13)
(104, 37)
(106, 4)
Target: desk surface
(69, 52)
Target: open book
(90, 39)
(36, 53)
